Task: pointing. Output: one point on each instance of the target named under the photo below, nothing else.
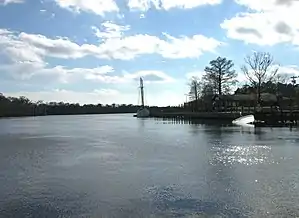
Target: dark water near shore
(120, 166)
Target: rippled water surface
(120, 166)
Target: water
(120, 166)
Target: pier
(277, 118)
(266, 118)
(273, 110)
(197, 115)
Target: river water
(120, 166)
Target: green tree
(220, 75)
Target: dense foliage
(283, 89)
(22, 106)
(220, 75)
(218, 78)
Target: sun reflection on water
(247, 155)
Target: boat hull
(244, 120)
(143, 112)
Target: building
(237, 102)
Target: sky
(94, 51)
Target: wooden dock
(277, 118)
(264, 118)
(198, 115)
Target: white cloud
(267, 23)
(290, 70)
(107, 92)
(59, 47)
(20, 47)
(34, 47)
(25, 55)
(102, 96)
(168, 4)
(94, 97)
(186, 47)
(269, 5)
(67, 75)
(4, 32)
(150, 76)
(144, 5)
(99, 7)
(127, 48)
(101, 74)
(6, 2)
(27, 70)
(287, 70)
(110, 30)
(22, 70)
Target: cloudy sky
(93, 51)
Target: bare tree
(281, 78)
(259, 68)
(195, 88)
(207, 90)
(221, 75)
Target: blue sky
(93, 51)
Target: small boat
(245, 120)
(142, 111)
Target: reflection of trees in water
(212, 126)
(258, 133)
(215, 129)
(194, 121)
(195, 124)
(210, 122)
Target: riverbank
(42, 115)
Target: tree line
(22, 106)
(260, 71)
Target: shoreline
(23, 116)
